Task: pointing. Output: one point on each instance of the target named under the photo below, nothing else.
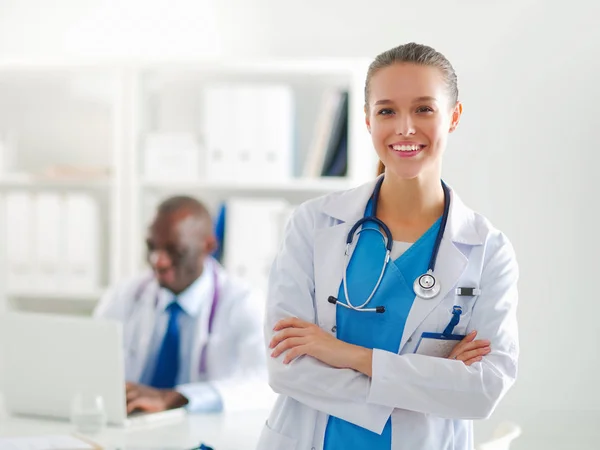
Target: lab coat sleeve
(247, 388)
(338, 392)
(448, 388)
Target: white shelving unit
(114, 105)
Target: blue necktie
(167, 363)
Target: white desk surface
(228, 431)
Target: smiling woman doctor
(378, 293)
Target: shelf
(86, 296)
(34, 182)
(299, 185)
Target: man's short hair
(183, 203)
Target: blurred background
(108, 107)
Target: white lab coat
(235, 358)
(431, 400)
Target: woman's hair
(415, 54)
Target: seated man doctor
(193, 335)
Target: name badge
(441, 344)
(437, 344)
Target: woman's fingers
(469, 337)
(473, 360)
(470, 350)
(475, 345)
(290, 322)
(468, 346)
(468, 355)
(286, 334)
(294, 353)
(286, 345)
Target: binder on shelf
(328, 152)
(336, 157)
(219, 132)
(317, 150)
(47, 242)
(254, 228)
(19, 242)
(249, 132)
(7, 153)
(220, 221)
(273, 155)
(82, 250)
(171, 156)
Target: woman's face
(409, 116)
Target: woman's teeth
(406, 148)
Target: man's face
(177, 244)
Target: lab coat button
(334, 329)
(409, 339)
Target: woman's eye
(385, 112)
(421, 109)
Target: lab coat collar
(192, 298)
(349, 206)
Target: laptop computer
(48, 360)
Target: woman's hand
(297, 338)
(470, 351)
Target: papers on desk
(54, 442)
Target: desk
(229, 431)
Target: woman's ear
(456, 114)
(367, 120)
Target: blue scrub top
(376, 330)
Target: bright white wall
(525, 154)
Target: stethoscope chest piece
(426, 286)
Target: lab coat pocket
(271, 439)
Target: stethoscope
(213, 308)
(425, 286)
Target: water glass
(88, 413)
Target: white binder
(246, 133)
(19, 248)
(249, 132)
(219, 133)
(171, 157)
(252, 233)
(47, 245)
(275, 141)
(82, 243)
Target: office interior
(108, 108)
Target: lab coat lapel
(450, 265)
(451, 262)
(345, 208)
(330, 244)
(202, 337)
(146, 318)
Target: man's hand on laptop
(149, 399)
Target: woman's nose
(404, 125)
